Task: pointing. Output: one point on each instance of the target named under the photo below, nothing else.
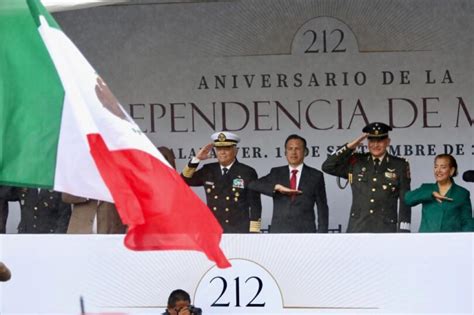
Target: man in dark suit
(237, 208)
(378, 180)
(295, 189)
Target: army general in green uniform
(378, 181)
(237, 208)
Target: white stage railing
(271, 274)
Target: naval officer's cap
(377, 130)
(225, 139)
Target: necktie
(376, 164)
(225, 170)
(293, 179)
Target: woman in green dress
(446, 206)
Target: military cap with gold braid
(220, 139)
(377, 130)
(225, 139)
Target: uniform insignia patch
(209, 183)
(238, 183)
(391, 170)
(391, 175)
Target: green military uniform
(375, 192)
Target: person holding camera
(179, 303)
(295, 189)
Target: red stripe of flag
(161, 211)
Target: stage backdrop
(266, 69)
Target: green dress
(446, 216)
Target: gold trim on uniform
(188, 171)
(255, 226)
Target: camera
(194, 310)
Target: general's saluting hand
(357, 142)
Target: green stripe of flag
(31, 98)
(38, 9)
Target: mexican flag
(62, 128)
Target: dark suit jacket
(296, 215)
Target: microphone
(468, 176)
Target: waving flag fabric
(62, 128)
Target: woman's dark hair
(452, 162)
